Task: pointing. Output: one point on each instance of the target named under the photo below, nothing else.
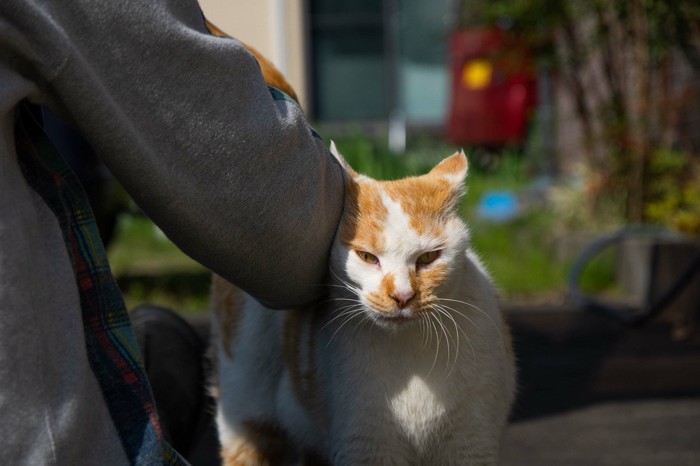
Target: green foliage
(141, 248)
(600, 274)
(372, 156)
(671, 24)
(518, 254)
(675, 188)
(627, 114)
(152, 270)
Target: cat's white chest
(418, 410)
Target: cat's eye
(368, 257)
(428, 257)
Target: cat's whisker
(458, 328)
(437, 336)
(455, 337)
(332, 285)
(330, 300)
(423, 331)
(361, 325)
(344, 285)
(343, 303)
(352, 303)
(352, 300)
(352, 316)
(428, 329)
(348, 286)
(350, 309)
(464, 333)
(473, 306)
(469, 342)
(438, 328)
(447, 336)
(341, 313)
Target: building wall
(273, 27)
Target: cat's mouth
(400, 317)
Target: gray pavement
(616, 433)
(594, 392)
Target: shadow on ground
(595, 392)
(568, 359)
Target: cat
(406, 361)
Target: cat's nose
(403, 297)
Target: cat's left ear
(454, 169)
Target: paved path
(597, 393)
(615, 433)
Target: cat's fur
(407, 361)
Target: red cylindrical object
(493, 88)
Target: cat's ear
(341, 160)
(454, 168)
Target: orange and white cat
(407, 361)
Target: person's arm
(185, 122)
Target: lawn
(518, 252)
(150, 269)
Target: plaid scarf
(111, 346)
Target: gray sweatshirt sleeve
(185, 122)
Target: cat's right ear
(341, 160)
(454, 170)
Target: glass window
(350, 69)
(347, 59)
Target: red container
(493, 89)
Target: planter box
(670, 259)
(649, 267)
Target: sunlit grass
(150, 269)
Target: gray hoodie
(186, 124)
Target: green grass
(140, 248)
(150, 269)
(372, 157)
(518, 255)
(599, 274)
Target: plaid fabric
(111, 346)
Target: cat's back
(264, 368)
(245, 344)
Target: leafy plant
(676, 191)
(614, 57)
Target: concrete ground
(594, 392)
(615, 433)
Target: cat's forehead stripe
(421, 199)
(411, 204)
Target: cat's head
(398, 241)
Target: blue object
(498, 206)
